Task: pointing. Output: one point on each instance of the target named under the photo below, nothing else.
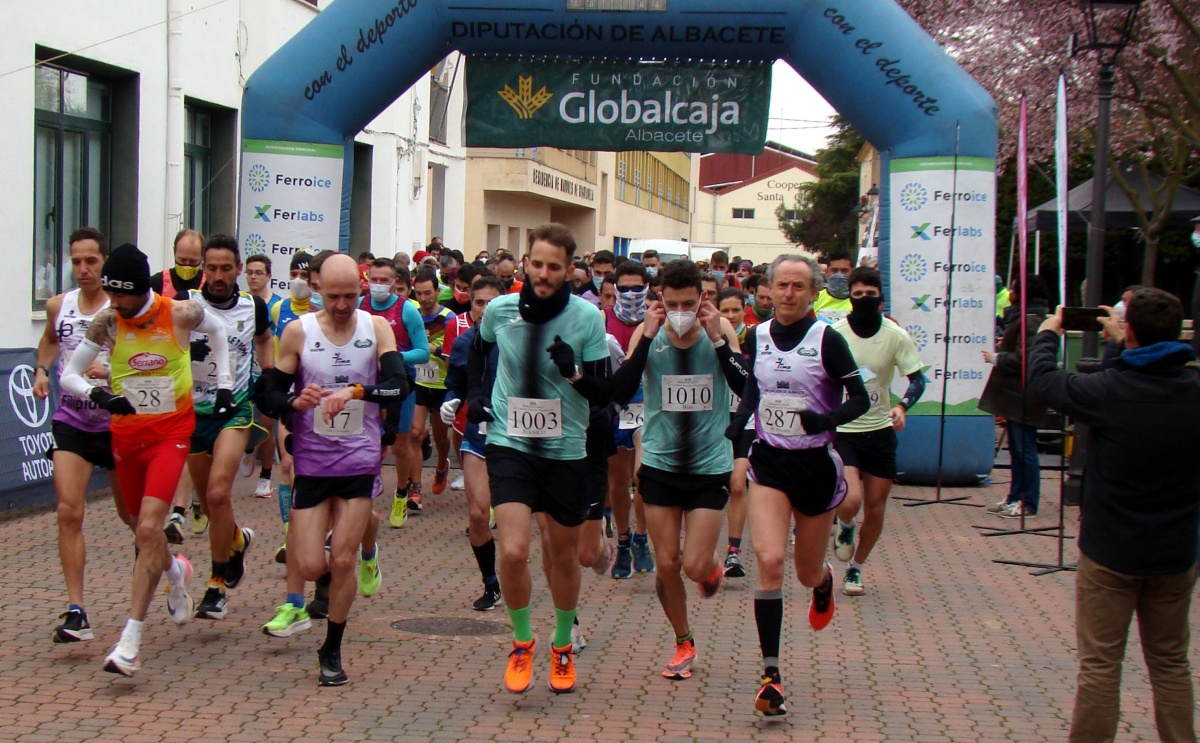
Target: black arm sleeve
(629, 377)
(839, 364)
(596, 384)
(476, 364)
(916, 388)
(733, 366)
(262, 319)
(750, 387)
(274, 394)
(393, 380)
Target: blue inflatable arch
(867, 58)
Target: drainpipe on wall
(173, 193)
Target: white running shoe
(123, 659)
(605, 561)
(458, 484)
(578, 641)
(246, 467)
(264, 488)
(180, 605)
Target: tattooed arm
(102, 332)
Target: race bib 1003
(780, 414)
(349, 422)
(687, 393)
(150, 395)
(534, 418)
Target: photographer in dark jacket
(1024, 411)
(1140, 511)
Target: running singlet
(830, 309)
(687, 409)
(284, 312)
(789, 382)
(878, 357)
(432, 374)
(240, 327)
(395, 320)
(536, 410)
(154, 373)
(349, 445)
(617, 329)
(72, 328)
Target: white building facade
(124, 115)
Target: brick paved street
(945, 646)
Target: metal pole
(1095, 251)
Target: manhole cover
(448, 626)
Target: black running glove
(477, 410)
(115, 404)
(734, 431)
(815, 423)
(200, 349)
(563, 357)
(224, 407)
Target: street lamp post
(1109, 28)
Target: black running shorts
(555, 487)
(431, 398)
(811, 478)
(686, 491)
(873, 452)
(95, 448)
(310, 491)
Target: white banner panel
(931, 209)
(291, 201)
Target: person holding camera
(1140, 511)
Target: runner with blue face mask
(603, 263)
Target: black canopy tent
(1120, 214)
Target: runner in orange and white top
(148, 338)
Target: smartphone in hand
(1083, 318)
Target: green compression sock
(522, 632)
(564, 619)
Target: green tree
(824, 208)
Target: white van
(668, 250)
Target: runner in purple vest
(345, 364)
(82, 440)
(799, 369)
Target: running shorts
(149, 469)
(208, 428)
(549, 486)
(430, 398)
(873, 452)
(95, 448)
(687, 491)
(813, 479)
(308, 491)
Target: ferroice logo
(913, 196)
(146, 361)
(254, 244)
(259, 177)
(913, 267)
(524, 101)
(32, 411)
(919, 336)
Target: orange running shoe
(711, 585)
(440, 476)
(770, 700)
(680, 667)
(519, 675)
(820, 609)
(562, 669)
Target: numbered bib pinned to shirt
(534, 418)
(780, 414)
(150, 395)
(349, 422)
(428, 373)
(687, 393)
(632, 416)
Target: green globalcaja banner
(579, 105)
